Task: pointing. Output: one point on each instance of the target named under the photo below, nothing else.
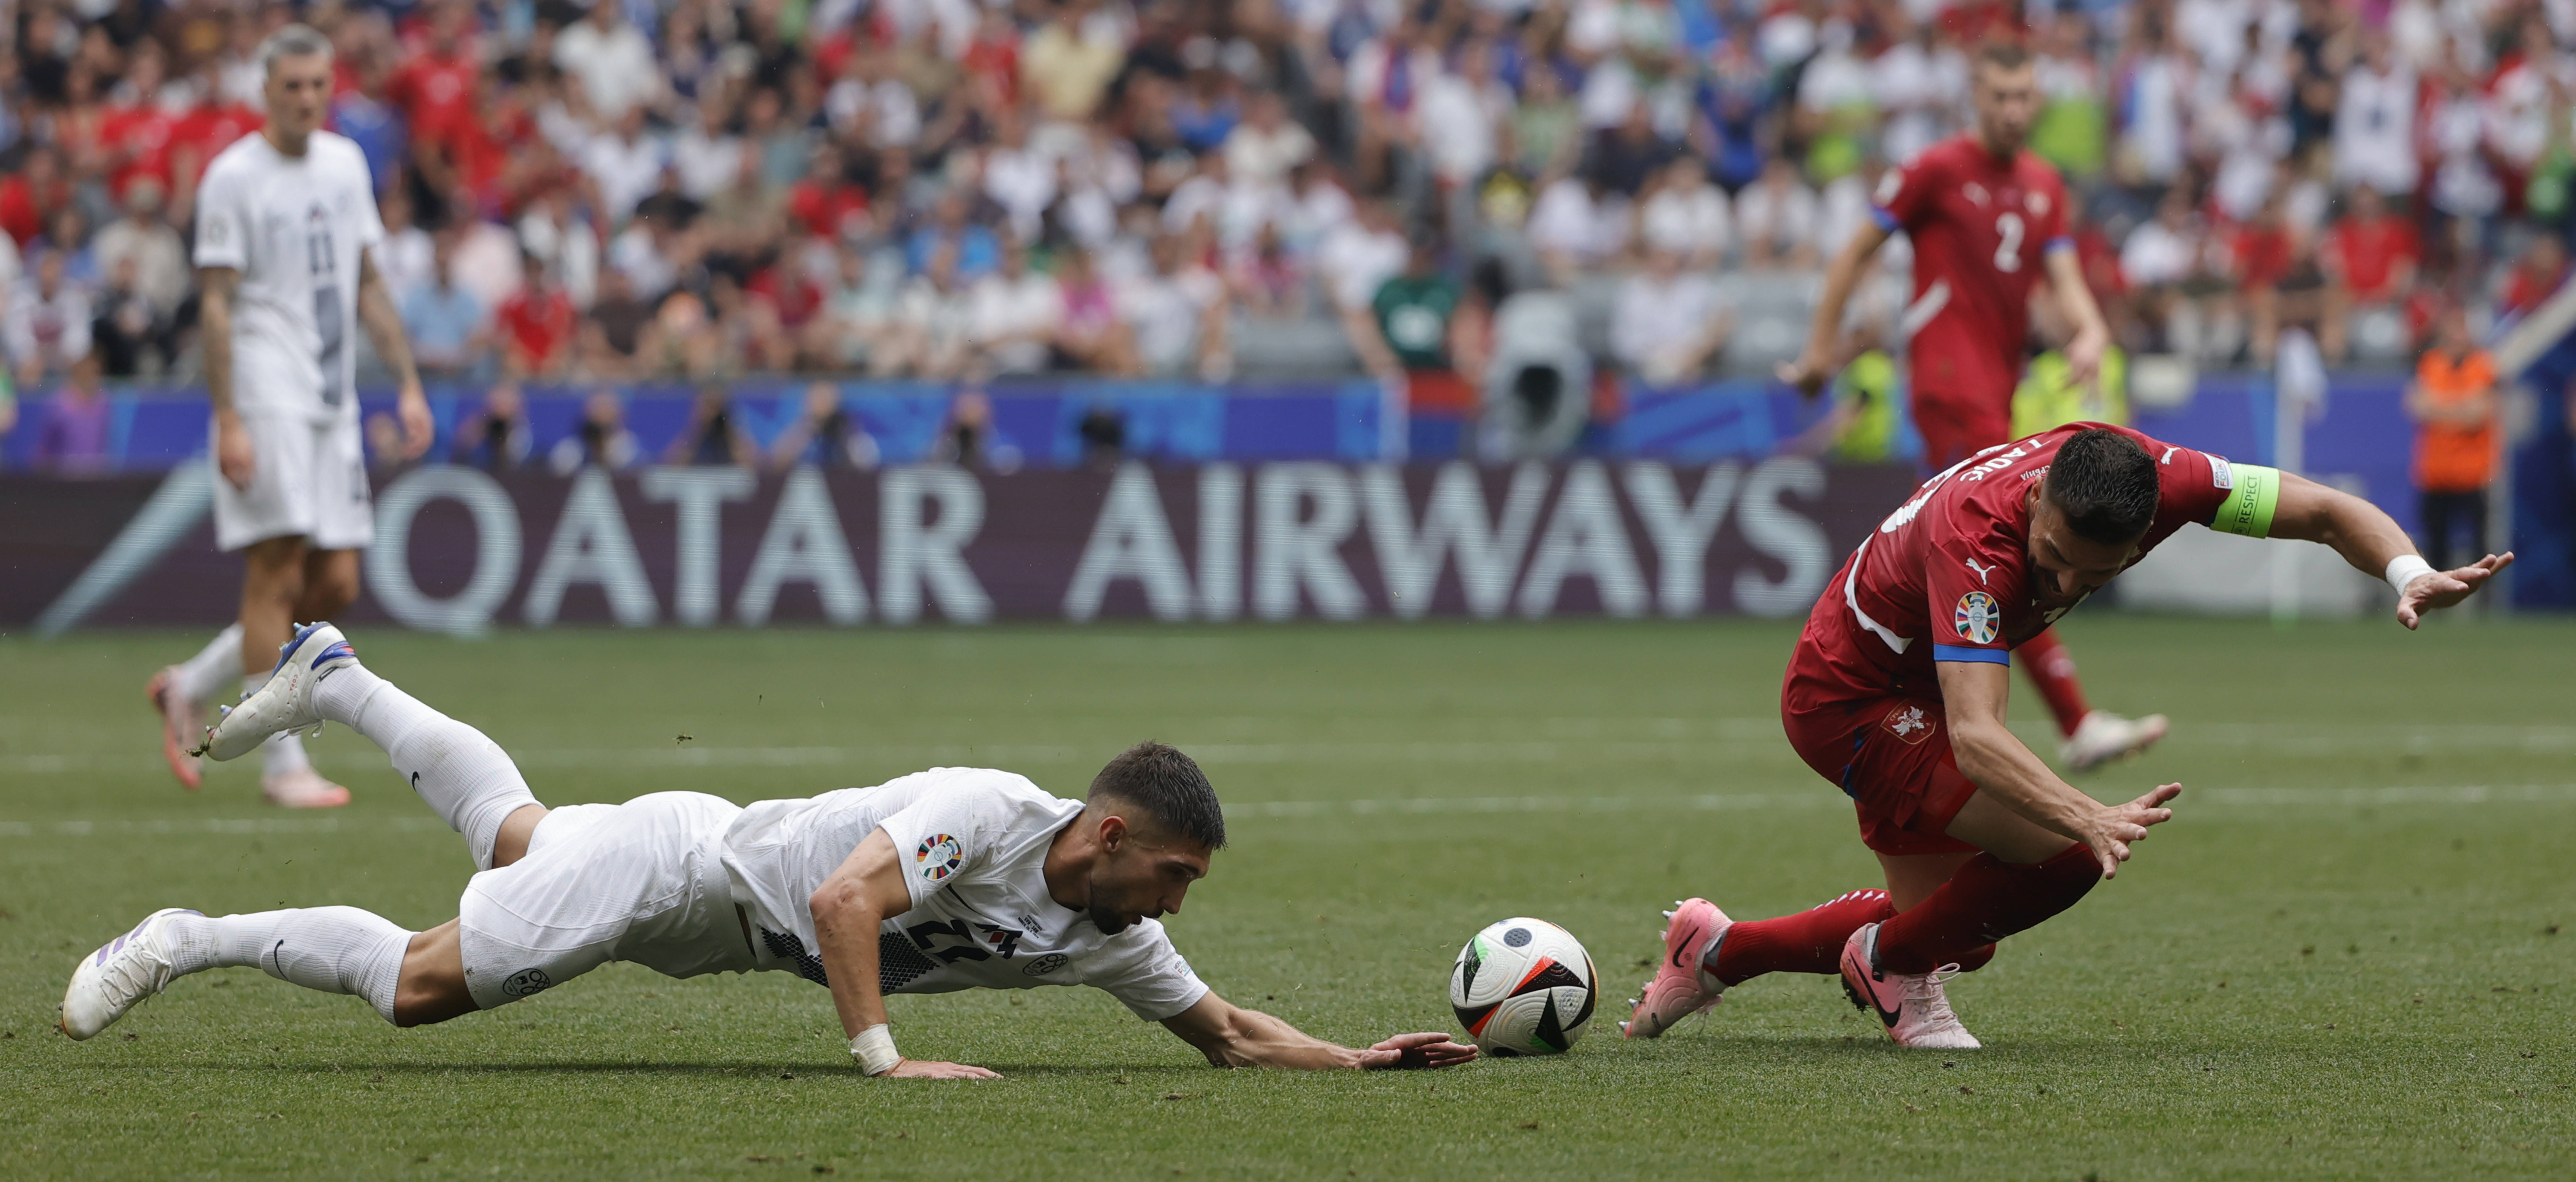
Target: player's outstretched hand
(934, 1069)
(1407, 1051)
(2443, 588)
(2113, 826)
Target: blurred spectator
(536, 324)
(1068, 63)
(2454, 404)
(71, 440)
(2370, 263)
(2536, 276)
(1776, 219)
(1013, 315)
(2164, 263)
(1686, 215)
(1177, 315)
(1103, 432)
(966, 437)
(160, 259)
(47, 325)
(612, 336)
(2374, 128)
(600, 441)
(1668, 323)
(496, 438)
(1090, 336)
(612, 61)
(625, 165)
(826, 434)
(1262, 149)
(129, 337)
(449, 329)
(1409, 335)
(711, 436)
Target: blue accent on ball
(1517, 937)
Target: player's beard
(1109, 920)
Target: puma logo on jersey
(2169, 454)
(1982, 569)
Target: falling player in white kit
(953, 878)
(286, 220)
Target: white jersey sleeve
(942, 835)
(1143, 971)
(224, 220)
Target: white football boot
(119, 976)
(285, 701)
(2103, 737)
(1911, 1005)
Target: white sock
(463, 775)
(212, 670)
(332, 949)
(282, 752)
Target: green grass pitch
(2344, 959)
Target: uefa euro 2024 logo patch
(938, 857)
(1978, 618)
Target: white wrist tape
(874, 1049)
(2406, 568)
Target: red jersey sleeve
(1972, 575)
(2054, 233)
(1906, 194)
(2190, 486)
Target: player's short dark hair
(1169, 787)
(2105, 484)
(2003, 53)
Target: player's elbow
(839, 901)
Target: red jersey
(206, 130)
(1981, 228)
(541, 327)
(436, 95)
(139, 137)
(1947, 576)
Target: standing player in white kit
(286, 218)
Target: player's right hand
(234, 455)
(2110, 829)
(1807, 374)
(2446, 588)
(934, 1069)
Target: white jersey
(294, 227)
(972, 843)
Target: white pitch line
(2453, 795)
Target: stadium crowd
(1205, 188)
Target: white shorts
(309, 479)
(642, 881)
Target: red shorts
(1956, 426)
(1892, 756)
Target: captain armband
(2252, 495)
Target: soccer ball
(1523, 987)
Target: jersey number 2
(2008, 232)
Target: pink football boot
(1681, 986)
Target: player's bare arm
(234, 455)
(1231, 1036)
(2007, 772)
(2075, 299)
(850, 908)
(1816, 365)
(2372, 542)
(384, 327)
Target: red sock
(1810, 941)
(2053, 671)
(1985, 901)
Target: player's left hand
(2084, 357)
(1408, 1051)
(417, 426)
(2443, 588)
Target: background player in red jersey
(1984, 216)
(1896, 694)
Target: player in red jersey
(1985, 217)
(1896, 694)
